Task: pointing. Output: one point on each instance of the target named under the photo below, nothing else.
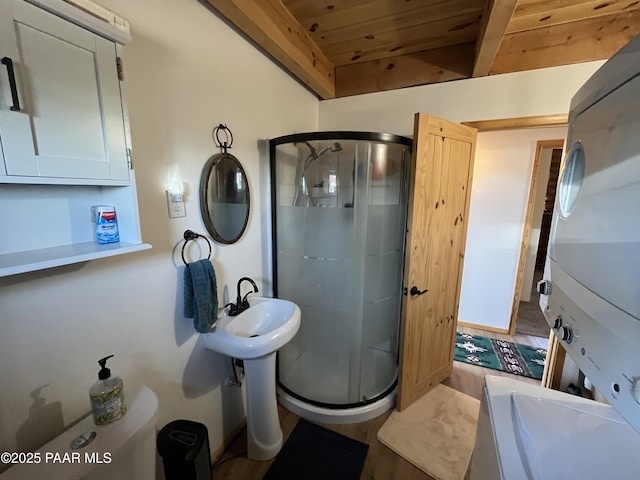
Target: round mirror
(224, 198)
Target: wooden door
(439, 193)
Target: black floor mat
(313, 452)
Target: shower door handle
(416, 291)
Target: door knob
(415, 291)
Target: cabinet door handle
(12, 84)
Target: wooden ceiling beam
(595, 38)
(274, 29)
(532, 14)
(539, 121)
(494, 25)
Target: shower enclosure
(339, 203)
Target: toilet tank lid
(141, 419)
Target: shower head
(301, 185)
(335, 147)
(313, 154)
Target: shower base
(332, 386)
(337, 416)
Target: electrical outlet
(176, 209)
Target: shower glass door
(339, 207)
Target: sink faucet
(241, 302)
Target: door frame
(555, 355)
(526, 231)
(518, 123)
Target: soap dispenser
(107, 396)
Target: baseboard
(484, 327)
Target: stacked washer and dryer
(590, 296)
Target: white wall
(186, 71)
(536, 92)
(501, 181)
(499, 196)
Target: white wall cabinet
(64, 135)
(61, 114)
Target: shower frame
(373, 137)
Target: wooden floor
(530, 319)
(381, 462)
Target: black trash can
(184, 448)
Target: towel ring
(190, 235)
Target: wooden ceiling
(348, 47)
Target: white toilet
(124, 449)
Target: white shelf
(49, 193)
(32, 260)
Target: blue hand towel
(201, 295)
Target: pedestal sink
(254, 336)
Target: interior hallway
(381, 462)
(530, 319)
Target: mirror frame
(207, 170)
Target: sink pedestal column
(264, 435)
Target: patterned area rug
(500, 355)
